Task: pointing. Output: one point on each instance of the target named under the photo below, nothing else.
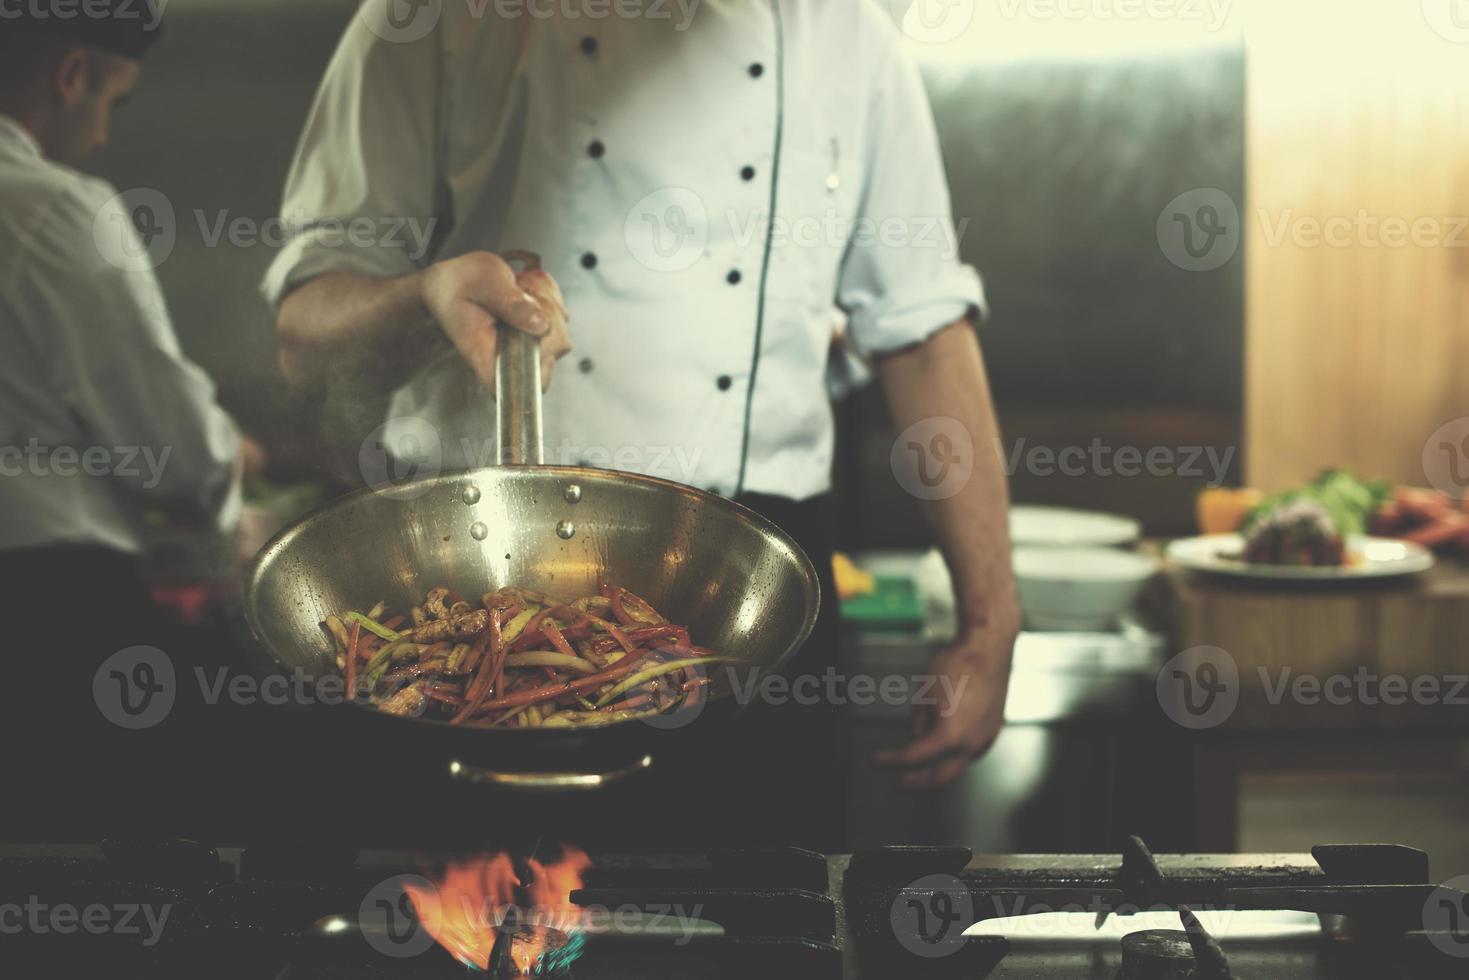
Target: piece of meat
(462, 627)
(408, 702)
(434, 606)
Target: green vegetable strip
(551, 658)
(642, 677)
(377, 666)
(373, 626)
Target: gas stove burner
(527, 950)
(1157, 954)
(1174, 954)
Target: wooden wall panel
(1356, 352)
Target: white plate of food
(1362, 557)
(1062, 527)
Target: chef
(103, 420)
(704, 187)
(102, 417)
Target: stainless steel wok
(739, 583)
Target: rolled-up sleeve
(366, 163)
(901, 278)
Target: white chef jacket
(643, 158)
(101, 415)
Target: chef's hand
(469, 294)
(251, 458)
(968, 711)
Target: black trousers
(66, 611)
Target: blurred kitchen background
(1070, 139)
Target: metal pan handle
(545, 782)
(518, 387)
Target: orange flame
(465, 905)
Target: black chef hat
(125, 27)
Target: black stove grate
(899, 912)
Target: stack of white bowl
(1076, 570)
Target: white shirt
(642, 158)
(101, 416)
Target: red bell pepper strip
(557, 640)
(581, 685)
(618, 610)
(694, 692)
(444, 692)
(481, 686)
(622, 639)
(631, 704)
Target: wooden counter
(1354, 636)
